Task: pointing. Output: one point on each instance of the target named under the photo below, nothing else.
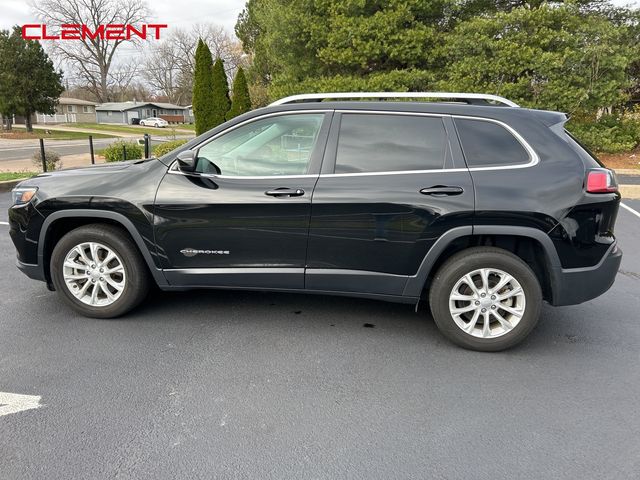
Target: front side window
(489, 144)
(279, 145)
(70, 108)
(387, 143)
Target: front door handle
(442, 190)
(285, 192)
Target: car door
(391, 184)
(242, 218)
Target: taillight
(601, 180)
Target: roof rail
(470, 97)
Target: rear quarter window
(489, 144)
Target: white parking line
(4, 223)
(634, 212)
(15, 402)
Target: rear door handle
(441, 190)
(285, 192)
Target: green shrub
(52, 158)
(166, 147)
(113, 153)
(608, 134)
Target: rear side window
(488, 144)
(387, 143)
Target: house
(125, 112)
(70, 110)
(188, 114)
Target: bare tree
(170, 66)
(162, 71)
(121, 78)
(92, 58)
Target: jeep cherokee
(482, 208)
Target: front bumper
(577, 285)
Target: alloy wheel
(487, 303)
(94, 274)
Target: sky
(175, 13)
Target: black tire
(137, 283)
(467, 261)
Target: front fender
(141, 233)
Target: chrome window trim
(534, 159)
(396, 172)
(173, 168)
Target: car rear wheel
(99, 271)
(485, 299)
(142, 124)
(156, 125)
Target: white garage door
(130, 115)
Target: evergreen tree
(241, 102)
(203, 103)
(220, 93)
(28, 81)
(577, 56)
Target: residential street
(27, 148)
(217, 384)
(12, 150)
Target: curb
(7, 185)
(630, 192)
(627, 171)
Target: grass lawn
(4, 176)
(167, 131)
(20, 133)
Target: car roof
(503, 113)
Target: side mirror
(187, 161)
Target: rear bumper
(577, 285)
(33, 271)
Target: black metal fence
(146, 141)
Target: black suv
(479, 207)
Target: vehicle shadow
(557, 326)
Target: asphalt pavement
(217, 384)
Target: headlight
(23, 195)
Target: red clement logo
(72, 31)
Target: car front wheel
(98, 271)
(485, 299)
